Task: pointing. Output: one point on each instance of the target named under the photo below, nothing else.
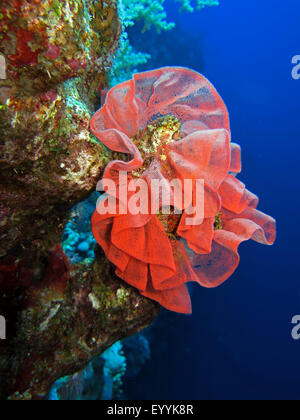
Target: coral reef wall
(54, 61)
(54, 53)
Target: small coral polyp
(172, 124)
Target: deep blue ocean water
(238, 343)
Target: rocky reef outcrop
(54, 60)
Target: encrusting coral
(171, 124)
(53, 65)
(59, 316)
(71, 316)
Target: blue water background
(238, 344)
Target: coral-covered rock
(54, 58)
(64, 321)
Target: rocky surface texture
(55, 56)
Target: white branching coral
(200, 4)
(153, 14)
(126, 61)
